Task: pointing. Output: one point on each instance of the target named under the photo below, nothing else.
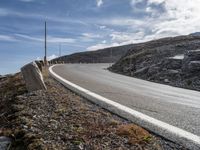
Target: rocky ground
(173, 61)
(59, 119)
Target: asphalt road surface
(175, 106)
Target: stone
(141, 71)
(4, 142)
(33, 77)
(2, 77)
(193, 54)
(171, 63)
(191, 61)
(171, 71)
(166, 80)
(39, 64)
(194, 66)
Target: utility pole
(60, 52)
(111, 56)
(45, 45)
(59, 49)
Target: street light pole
(59, 49)
(60, 52)
(45, 45)
(111, 57)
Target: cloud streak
(99, 3)
(7, 38)
(27, 1)
(50, 39)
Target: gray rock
(193, 54)
(190, 61)
(153, 69)
(171, 71)
(2, 77)
(141, 71)
(39, 64)
(166, 80)
(33, 77)
(194, 66)
(171, 63)
(4, 142)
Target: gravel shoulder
(59, 119)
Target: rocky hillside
(174, 61)
(106, 55)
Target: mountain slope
(172, 61)
(106, 55)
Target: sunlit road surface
(175, 106)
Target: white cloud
(181, 18)
(50, 39)
(26, 0)
(38, 58)
(60, 40)
(90, 35)
(163, 18)
(121, 36)
(10, 12)
(101, 46)
(155, 1)
(102, 27)
(53, 56)
(99, 3)
(134, 2)
(7, 38)
(27, 37)
(104, 42)
(122, 21)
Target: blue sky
(83, 25)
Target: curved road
(175, 106)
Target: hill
(106, 55)
(174, 61)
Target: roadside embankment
(57, 118)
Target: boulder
(193, 54)
(2, 77)
(33, 77)
(194, 66)
(172, 63)
(39, 64)
(166, 80)
(4, 142)
(191, 61)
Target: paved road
(176, 106)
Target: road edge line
(185, 138)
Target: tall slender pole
(45, 45)
(111, 57)
(59, 52)
(59, 49)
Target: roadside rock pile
(191, 61)
(173, 61)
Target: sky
(85, 25)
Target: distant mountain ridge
(106, 55)
(195, 34)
